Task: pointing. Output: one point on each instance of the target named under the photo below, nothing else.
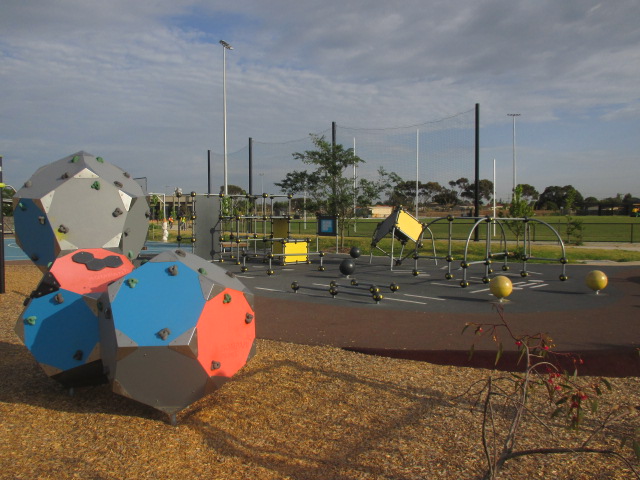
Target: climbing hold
(215, 365)
(96, 185)
(58, 298)
(181, 253)
(63, 229)
(75, 159)
(132, 282)
(31, 320)
(117, 212)
(173, 270)
(164, 333)
(118, 184)
(78, 355)
(248, 318)
(41, 219)
(27, 184)
(227, 298)
(202, 271)
(99, 159)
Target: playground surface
(424, 319)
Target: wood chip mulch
(294, 412)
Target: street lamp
(225, 47)
(514, 115)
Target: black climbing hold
(78, 355)
(126, 174)
(82, 257)
(118, 184)
(59, 298)
(63, 229)
(27, 184)
(215, 365)
(230, 274)
(113, 261)
(181, 253)
(248, 318)
(41, 219)
(117, 212)
(95, 265)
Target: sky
(141, 83)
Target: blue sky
(140, 83)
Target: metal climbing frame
(527, 248)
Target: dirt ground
(293, 412)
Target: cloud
(140, 83)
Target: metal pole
(225, 47)
(209, 172)
(494, 196)
(250, 166)
(477, 182)
(417, 167)
(2, 277)
(514, 115)
(355, 188)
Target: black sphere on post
(354, 252)
(347, 266)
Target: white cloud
(140, 82)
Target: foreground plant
(505, 400)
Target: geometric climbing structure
(59, 325)
(174, 330)
(80, 201)
(402, 226)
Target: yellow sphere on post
(596, 280)
(501, 287)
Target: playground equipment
(501, 287)
(164, 334)
(596, 280)
(403, 227)
(492, 254)
(59, 324)
(166, 353)
(80, 201)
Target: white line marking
(426, 298)
(269, 289)
(540, 285)
(446, 285)
(405, 301)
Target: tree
(429, 190)
(529, 193)
(446, 197)
(518, 208)
(370, 190)
(334, 192)
(559, 196)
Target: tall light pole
(514, 115)
(225, 47)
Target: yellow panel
(294, 252)
(408, 225)
(280, 228)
